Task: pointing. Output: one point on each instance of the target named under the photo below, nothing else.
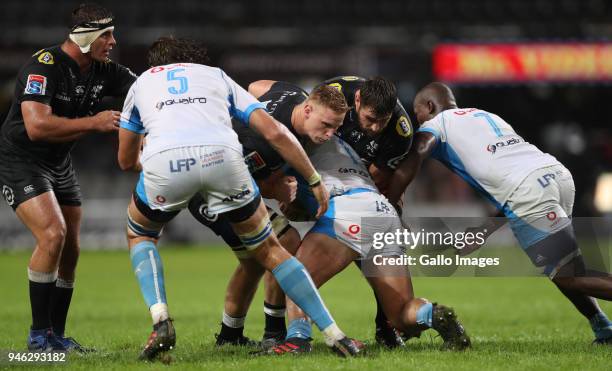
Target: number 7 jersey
(186, 104)
(485, 151)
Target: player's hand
(399, 206)
(107, 121)
(470, 248)
(322, 196)
(286, 189)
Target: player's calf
(256, 234)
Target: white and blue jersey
(356, 209)
(185, 111)
(485, 151)
(186, 104)
(532, 188)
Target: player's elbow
(275, 135)
(34, 131)
(422, 150)
(252, 88)
(126, 163)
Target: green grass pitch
(515, 323)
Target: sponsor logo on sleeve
(36, 84)
(254, 161)
(403, 127)
(46, 58)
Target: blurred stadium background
(543, 65)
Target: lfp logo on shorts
(36, 84)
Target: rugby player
(378, 128)
(310, 118)
(57, 95)
(345, 233)
(532, 189)
(185, 108)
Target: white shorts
(542, 204)
(353, 217)
(170, 178)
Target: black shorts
(555, 251)
(23, 177)
(221, 225)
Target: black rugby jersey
(53, 78)
(388, 148)
(259, 155)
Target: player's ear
(431, 107)
(307, 110)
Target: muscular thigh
(41, 214)
(324, 257)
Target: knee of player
(290, 240)
(53, 238)
(137, 231)
(566, 283)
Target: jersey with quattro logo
(485, 151)
(53, 78)
(388, 148)
(186, 104)
(259, 155)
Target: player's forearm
(266, 188)
(57, 129)
(128, 155)
(292, 152)
(494, 223)
(403, 176)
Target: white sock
(42, 277)
(332, 333)
(64, 283)
(233, 322)
(159, 312)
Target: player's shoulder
(284, 86)
(46, 59)
(111, 67)
(347, 85)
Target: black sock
(275, 318)
(40, 302)
(60, 302)
(381, 319)
(230, 333)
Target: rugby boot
(450, 329)
(162, 339)
(347, 347)
(44, 341)
(388, 336)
